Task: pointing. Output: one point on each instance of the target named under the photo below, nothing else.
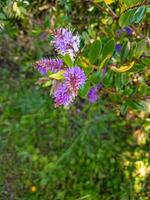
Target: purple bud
(118, 48)
(128, 30)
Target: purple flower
(128, 30)
(74, 79)
(93, 95)
(78, 110)
(54, 65)
(118, 48)
(65, 42)
(62, 96)
(41, 66)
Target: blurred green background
(85, 152)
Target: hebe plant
(115, 65)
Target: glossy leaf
(135, 104)
(68, 61)
(107, 51)
(139, 14)
(125, 51)
(108, 78)
(84, 90)
(132, 16)
(95, 51)
(141, 45)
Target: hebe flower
(65, 89)
(54, 65)
(93, 93)
(62, 96)
(74, 79)
(41, 66)
(65, 42)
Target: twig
(115, 16)
(110, 12)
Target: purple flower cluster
(126, 30)
(67, 91)
(65, 42)
(45, 65)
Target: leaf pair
(103, 53)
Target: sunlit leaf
(107, 51)
(94, 51)
(123, 68)
(58, 75)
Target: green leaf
(132, 50)
(68, 61)
(88, 70)
(96, 77)
(125, 18)
(132, 16)
(108, 78)
(47, 22)
(95, 51)
(145, 61)
(107, 51)
(139, 14)
(132, 2)
(125, 51)
(84, 90)
(134, 104)
(120, 80)
(124, 108)
(141, 45)
(47, 84)
(58, 75)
